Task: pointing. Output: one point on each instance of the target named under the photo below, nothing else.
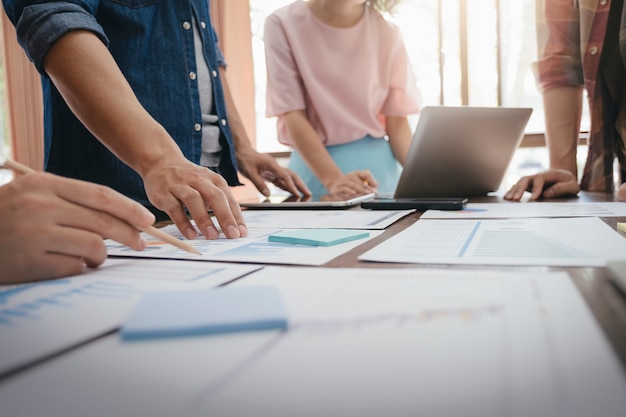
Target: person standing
(582, 46)
(124, 107)
(340, 84)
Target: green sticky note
(317, 237)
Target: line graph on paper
(497, 342)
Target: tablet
(421, 204)
(288, 201)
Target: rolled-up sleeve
(559, 60)
(40, 24)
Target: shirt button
(186, 25)
(192, 75)
(197, 127)
(203, 25)
(603, 2)
(214, 74)
(593, 50)
(223, 122)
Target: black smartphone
(421, 204)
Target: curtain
(231, 19)
(25, 102)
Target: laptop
(461, 151)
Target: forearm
(563, 107)
(86, 75)
(311, 149)
(400, 136)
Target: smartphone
(421, 204)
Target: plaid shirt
(570, 40)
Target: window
(474, 52)
(5, 149)
(463, 52)
(4, 131)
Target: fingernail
(190, 233)
(211, 233)
(232, 232)
(148, 216)
(243, 230)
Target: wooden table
(605, 300)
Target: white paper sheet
(530, 209)
(255, 248)
(323, 219)
(37, 320)
(583, 241)
(143, 379)
(410, 342)
(367, 343)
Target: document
(581, 241)
(361, 342)
(432, 342)
(39, 320)
(530, 209)
(256, 248)
(323, 219)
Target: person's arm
(89, 80)
(315, 155)
(257, 167)
(400, 136)
(52, 226)
(621, 192)
(562, 107)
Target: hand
(548, 184)
(621, 192)
(52, 226)
(259, 168)
(176, 184)
(354, 183)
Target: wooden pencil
(152, 231)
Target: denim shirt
(152, 42)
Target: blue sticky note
(317, 237)
(205, 312)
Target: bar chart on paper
(37, 320)
(585, 241)
(530, 209)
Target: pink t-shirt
(345, 78)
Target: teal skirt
(373, 154)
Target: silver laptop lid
(461, 151)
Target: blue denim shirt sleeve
(40, 24)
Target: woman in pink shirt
(340, 84)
